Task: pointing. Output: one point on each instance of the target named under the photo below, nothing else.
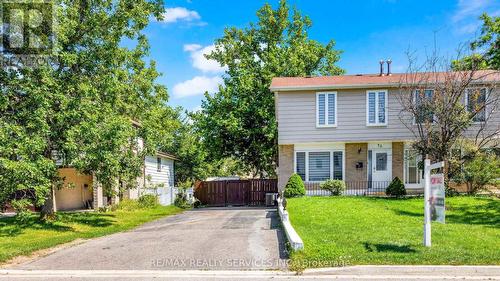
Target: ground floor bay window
(318, 166)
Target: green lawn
(363, 230)
(24, 239)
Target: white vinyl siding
(376, 108)
(159, 178)
(297, 119)
(326, 109)
(475, 101)
(317, 166)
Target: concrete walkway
(216, 238)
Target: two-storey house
(346, 127)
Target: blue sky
(366, 31)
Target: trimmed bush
(148, 201)
(396, 188)
(295, 187)
(336, 187)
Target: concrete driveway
(214, 238)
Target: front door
(381, 167)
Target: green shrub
(396, 188)
(481, 171)
(181, 199)
(336, 187)
(148, 201)
(294, 187)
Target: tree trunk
(48, 210)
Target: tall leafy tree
(82, 104)
(239, 120)
(486, 48)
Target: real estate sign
(437, 198)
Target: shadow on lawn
(484, 213)
(10, 227)
(370, 247)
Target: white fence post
(427, 207)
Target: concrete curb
(292, 236)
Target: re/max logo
(27, 27)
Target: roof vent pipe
(381, 68)
(389, 67)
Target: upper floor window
(326, 109)
(475, 100)
(376, 108)
(423, 106)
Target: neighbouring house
(81, 191)
(346, 127)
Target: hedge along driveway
(364, 230)
(22, 239)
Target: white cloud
(172, 15)
(191, 47)
(469, 8)
(197, 86)
(466, 16)
(199, 61)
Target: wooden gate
(235, 192)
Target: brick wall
(353, 156)
(397, 160)
(285, 165)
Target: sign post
(427, 199)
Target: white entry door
(381, 167)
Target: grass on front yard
(22, 239)
(363, 230)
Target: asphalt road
(215, 239)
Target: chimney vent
(389, 67)
(381, 68)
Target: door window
(381, 161)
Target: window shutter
(321, 109)
(331, 109)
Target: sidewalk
(346, 273)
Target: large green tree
(194, 161)
(239, 120)
(81, 105)
(486, 48)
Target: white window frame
(307, 162)
(326, 125)
(377, 123)
(485, 101)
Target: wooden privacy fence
(235, 192)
